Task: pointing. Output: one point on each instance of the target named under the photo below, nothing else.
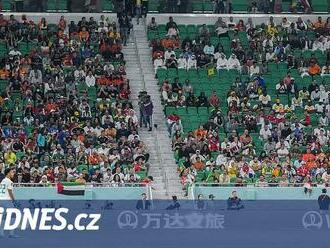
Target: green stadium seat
(51, 6)
(62, 5)
(240, 5)
(320, 5)
(6, 5)
(208, 7)
(107, 6)
(197, 7)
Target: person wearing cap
(233, 63)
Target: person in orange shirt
(81, 137)
(81, 179)
(319, 24)
(4, 74)
(51, 106)
(84, 34)
(314, 69)
(200, 133)
(168, 42)
(199, 165)
(94, 158)
(308, 156)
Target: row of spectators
(252, 136)
(65, 109)
(269, 42)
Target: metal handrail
(88, 185)
(139, 60)
(160, 160)
(290, 185)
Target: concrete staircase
(140, 71)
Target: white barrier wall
(163, 18)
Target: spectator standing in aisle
(145, 7)
(142, 97)
(125, 26)
(148, 111)
(138, 10)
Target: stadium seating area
(195, 6)
(65, 109)
(260, 116)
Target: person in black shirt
(176, 86)
(171, 24)
(144, 203)
(171, 62)
(175, 205)
(202, 60)
(191, 100)
(202, 100)
(324, 200)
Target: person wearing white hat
(222, 62)
(233, 63)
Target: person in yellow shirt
(113, 34)
(81, 179)
(10, 157)
(232, 170)
(278, 107)
(272, 30)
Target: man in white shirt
(79, 74)
(192, 62)
(6, 195)
(158, 63)
(315, 95)
(168, 53)
(233, 63)
(6, 186)
(282, 152)
(35, 76)
(318, 45)
(265, 99)
(90, 79)
(254, 69)
(222, 62)
(265, 133)
(182, 62)
(319, 106)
